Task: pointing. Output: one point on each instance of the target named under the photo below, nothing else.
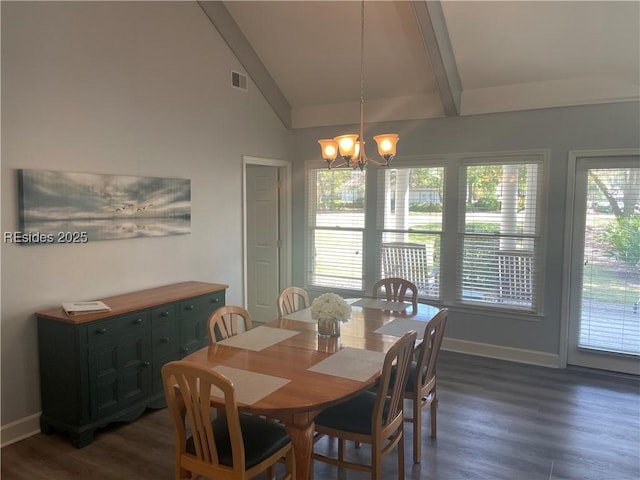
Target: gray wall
(558, 130)
(139, 88)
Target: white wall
(119, 88)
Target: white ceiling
(493, 56)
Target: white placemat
(303, 315)
(399, 326)
(381, 304)
(258, 338)
(352, 363)
(250, 386)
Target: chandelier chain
(352, 146)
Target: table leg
(302, 440)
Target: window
(336, 222)
(499, 238)
(410, 225)
(466, 230)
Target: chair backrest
(292, 299)
(407, 260)
(397, 290)
(515, 271)
(187, 388)
(428, 353)
(389, 399)
(224, 322)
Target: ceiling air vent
(239, 80)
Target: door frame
(574, 156)
(284, 215)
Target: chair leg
(376, 463)
(400, 458)
(417, 430)
(341, 449)
(434, 407)
(290, 463)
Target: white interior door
(262, 241)
(604, 309)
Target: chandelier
(351, 146)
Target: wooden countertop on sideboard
(133, 301)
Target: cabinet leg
(81, 439)
(45, 427)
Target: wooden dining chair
(373, 417)
(397, 290)
(224, 322)
(232, 446)
(421, 380)
(292, 299)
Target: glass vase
(328, 328)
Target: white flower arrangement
(330, 306)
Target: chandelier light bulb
(329, 149)
(387, 145)
(347, 145)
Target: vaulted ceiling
(432, 59)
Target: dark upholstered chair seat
(352, 416)
(411, 374)
(411, 377)
(262, 438)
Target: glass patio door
(604, 302)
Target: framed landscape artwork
(71, 207)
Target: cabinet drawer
(162, 314)
(111, 330)
(164, 340)
(203, 303)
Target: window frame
(311, 228)
(540, 158)
(380, 219)
(450, 253)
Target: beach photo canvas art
(72, 207)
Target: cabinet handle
(165, 340)
(137, 321)
(101, 331)
(145, 364)
(164, 314)
(215, 300)
(185, 349)
(189, 307)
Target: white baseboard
(20, 429)
(502, 353)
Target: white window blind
(499, 234)
(335, 230)
(410, 225)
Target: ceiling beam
(435, 35)
(242, 49)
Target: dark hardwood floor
(496, 420)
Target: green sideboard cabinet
(100, 368)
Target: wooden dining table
(286, 371)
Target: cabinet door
(192, 334)
(164, 343)
(119, 373)
(195, 313)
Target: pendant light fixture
(351, 147)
